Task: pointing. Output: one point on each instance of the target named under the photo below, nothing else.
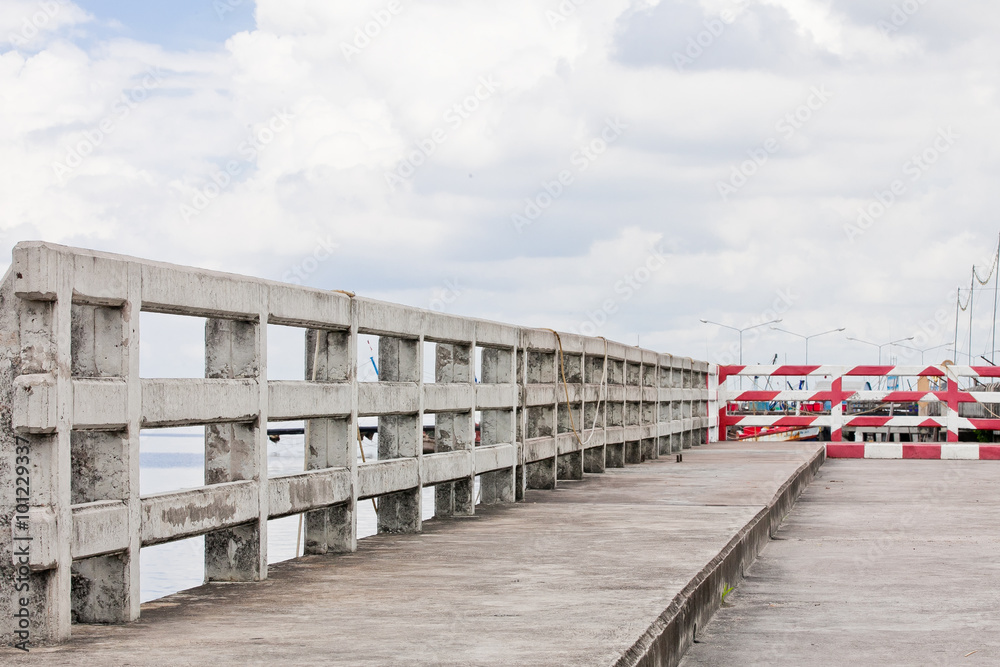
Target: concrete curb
(901, 450)
(668, 638)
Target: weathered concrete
(610, 570)
(881, 562)
(236, 451)
(69, 368)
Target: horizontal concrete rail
(173, 516)
(306, 491)
(540, 408)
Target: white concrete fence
(72, 404)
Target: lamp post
(808, 337)
(926, 349)
(879, 345)
(740, 331)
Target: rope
(603, 391)
(993, 267)
(966, 306)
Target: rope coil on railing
(601, 394)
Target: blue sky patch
(181, 25)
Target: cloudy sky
(618, 167)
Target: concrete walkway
(610, 570)
(880, 563)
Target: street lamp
(926, 349)
(726, 326)
(879, 346)
(740, 331)
(808, 337)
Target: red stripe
(931, 371)
(987, 371)
(986, 424)
(870, 370)
(837, 435)
(989, 452)
(868, 421)
(904, 396)
(832, 396)
(930, 423)
(757, 396)
(795, 370)
(845, 451)
(726, 371)
(795, 421)
(921, 451)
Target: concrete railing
(550, 406)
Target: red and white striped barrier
(906, 450)
(836, 421)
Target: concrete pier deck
(879, 563)
(608, 570)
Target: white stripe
(883, 450)
(960, 452)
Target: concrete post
(594, 460)
(569, 465)
(400, 436)
(10, 368)
(521, 422)
(540, 423)
(633, 449)
(236, 451)
(569, 369)
(540, 474)
(594, 412)
(498, 427)
(615, 451)
(454, 431)
(46, 339)
(105, 464)
(330, 356)
(540, 420)
(649, 447)
(593, 457)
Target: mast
(996, 292)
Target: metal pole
(996, 290)
(972, 293)
(741, 358)
(958, 301)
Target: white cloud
(351, 120)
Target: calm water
(173, 461)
